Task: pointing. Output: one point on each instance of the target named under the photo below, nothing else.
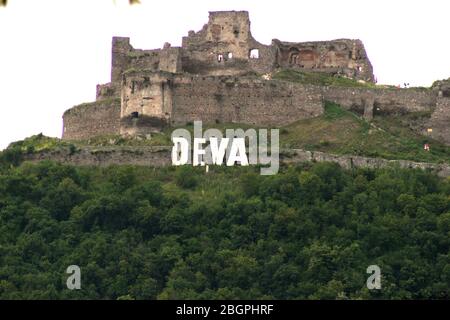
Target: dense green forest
(309, 232)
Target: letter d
(183, 151)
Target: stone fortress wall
(181, 98)
(372, 101)
(243, 100)
(92, 119)
(215, 76)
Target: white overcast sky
(54, 52)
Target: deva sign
(238, 147)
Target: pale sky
(54, 52)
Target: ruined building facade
(220, 75)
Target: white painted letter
(218, 151)
(237, 146)
(198, 152)
(183, 152)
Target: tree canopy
(309, 232)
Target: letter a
(74, 281)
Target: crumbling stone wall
(344, 57)
(106, 156)
(208, 51)
(243, 100)
(368, 101)
(106, 91)
(146, 100)
(350, 162)
(146, 93)
(442, 88)
(181, 98)
(440, 121)
(120, 58)
(92, 119)
(126, 58)
(224, 47)
(151, 101)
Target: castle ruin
(221, 74)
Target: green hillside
(309, 232)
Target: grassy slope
(340, 131)
(320, 79)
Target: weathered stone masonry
(243, 100)
(370, 101)
(181, 98)
(92, 119)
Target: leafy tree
(186, 178)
